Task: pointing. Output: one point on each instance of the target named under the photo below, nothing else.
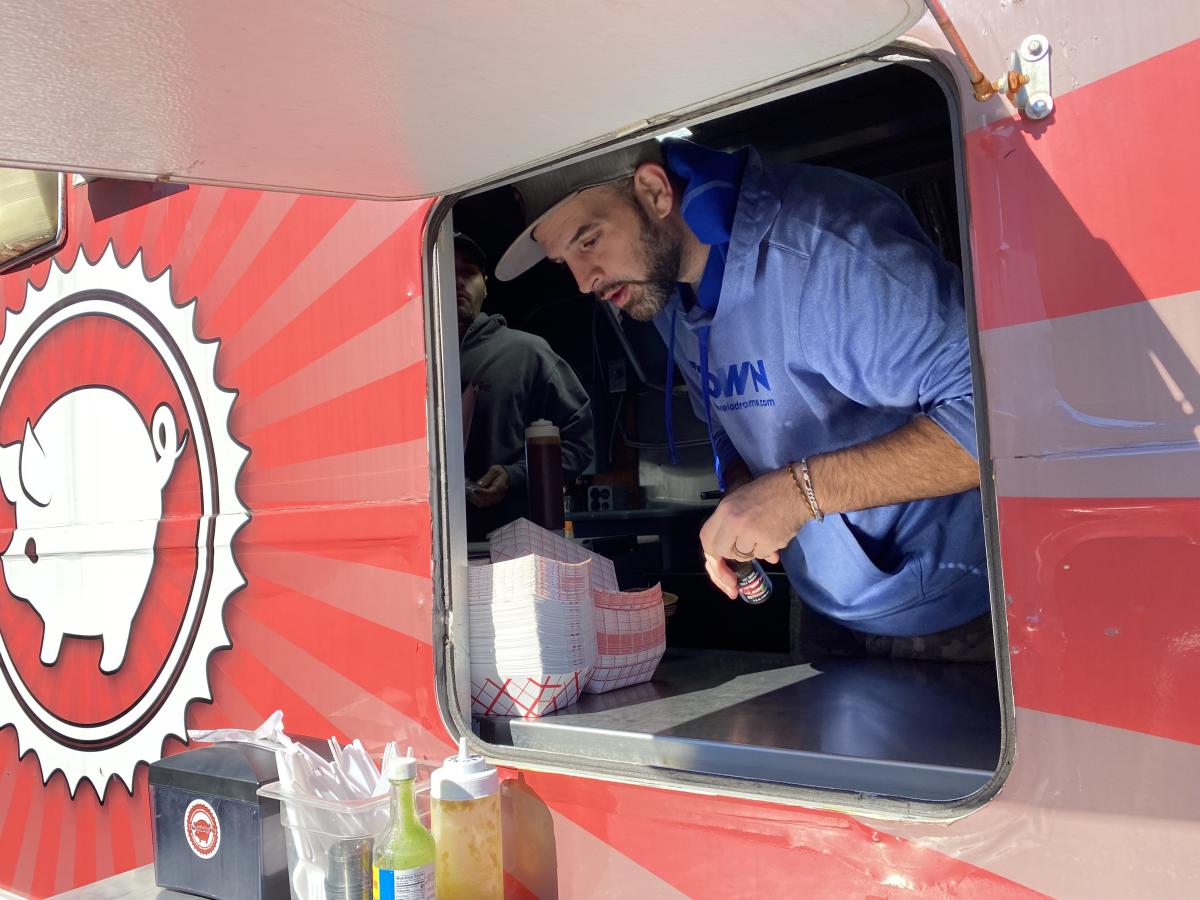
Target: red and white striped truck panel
(1087, 287)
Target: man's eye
(590, 242)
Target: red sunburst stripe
(265, 261)
(76, 212)
(688, 842)
(365, 358)
(395, 471)
(64, 866)
(31, 838)
(8, 779)
(382, 596)
(246, 255)
(398, 534)
(139, 813)
(119, 823)
(195, 268)
(159, 247)
(195, 226)
(12, 292)
(103, 838)
(362, 228)
(353, 645)
(83, 809)
(39, 273)
(93, 238)
(1097, 209)
(374, 716)
(229, 703)
(238, 263)
(265, 688)
(148, 233)
(330, 318)
(388, 411)
(50, 849)
(1104, 624)
(26, 783)
(127, 234)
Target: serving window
(735, 704)
(32, 222)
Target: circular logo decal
(202, 829)
(117, 518)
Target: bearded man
(823, 341)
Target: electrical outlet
(616, 376)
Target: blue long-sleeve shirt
(838, 322)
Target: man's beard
(662, 251)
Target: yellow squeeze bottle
(465, 801)
(403, 861)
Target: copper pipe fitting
(982, 88)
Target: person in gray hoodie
(510, 378)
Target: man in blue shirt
(823, 340)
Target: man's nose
(587, 277)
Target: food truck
(231, 431)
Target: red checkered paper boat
(630, 626)
(533, 635)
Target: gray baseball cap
(544, 193)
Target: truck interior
(731, 699)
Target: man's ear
(652, 186)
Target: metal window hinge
(1032, 63)
(1027, 82)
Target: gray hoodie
(518, 379)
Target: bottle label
(753, 584)
(404, 884)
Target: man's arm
(917, 461)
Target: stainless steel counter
(136, 884)
(928, 731)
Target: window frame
(452, 672)
(55, 243)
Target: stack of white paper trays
(630, 626)
(533, 635)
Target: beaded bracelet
(806, 488)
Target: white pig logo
(87, 482)
(92, 471)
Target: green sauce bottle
(404, 858)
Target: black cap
(471, 250)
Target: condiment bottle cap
(541, 428)
(402, 768)
(464, 777)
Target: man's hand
(757, 519)
(490, 489)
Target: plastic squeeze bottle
(404, 859)
(544, 471)
(465, 800)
